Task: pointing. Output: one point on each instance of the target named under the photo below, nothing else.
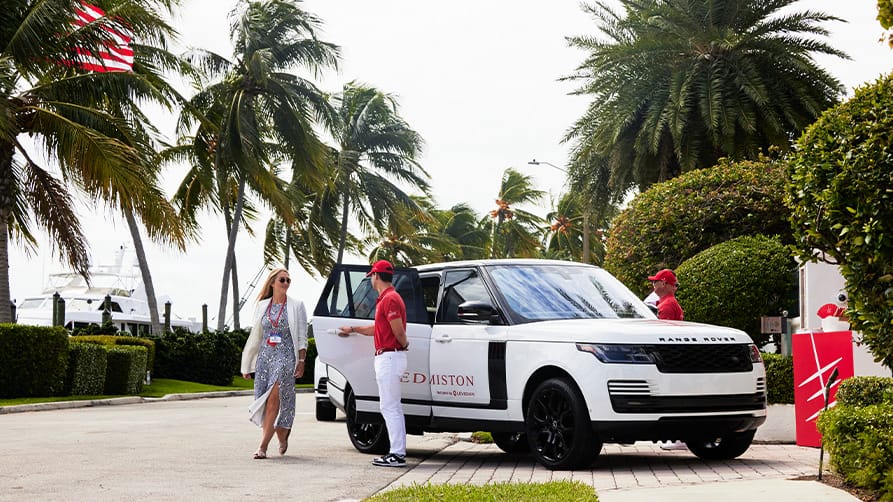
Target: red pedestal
(816, 355)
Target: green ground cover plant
(553, 491)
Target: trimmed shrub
(672, 221)
(779, 378)
(841, 196)
(211, 357)
(865, 391)
(735, 282)
(87, 363)
(33, 360)
(124, 339)
(126, 369)
(860, 442)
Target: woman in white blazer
(274, 355)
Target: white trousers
(389, 368)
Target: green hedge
(735, 282)
(865, 391)
(309, 363)
(33, 360)
(126, 369)
(859, 440)
(87, 363)
(124, 339)
(212, 357)
(779, 378)
(673, 221)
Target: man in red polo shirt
(664, 284)
(391, 343)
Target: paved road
(201, 450)
(184, 450)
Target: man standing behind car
(664, 284)
(391, 343)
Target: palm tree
(84, 121)
(463, 226)
(679, 84)
(254, 113)
(514, 230)
(376, 150)
(412, 236)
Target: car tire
(559, 430)
(366, 438)
(726, 447)
(325, 411)
(511, 442)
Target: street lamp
(586, 210)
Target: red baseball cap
(381, 266)
(665, 275)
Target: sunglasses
(284, 280)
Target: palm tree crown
(681, 83)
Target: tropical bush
(211, 357)
(735, 282)
(125, 369)
(841, 200)
(87, 364)
(123, 339)
(779, 378)
(672, 221)
(33, 360)
(858, 433)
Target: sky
(479, 80)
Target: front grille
(702, 358)
(688, 404)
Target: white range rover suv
(551, 357)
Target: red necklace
(275, 324)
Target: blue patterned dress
(276, 363)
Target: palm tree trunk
(6, 201)
(237, 304)
(231, 252)
(151, 299)
(344, 214)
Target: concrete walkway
(182, 448)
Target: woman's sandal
(260, 455)
(283, 444)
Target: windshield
(555, 291)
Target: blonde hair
(266, 291)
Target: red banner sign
(816, 356)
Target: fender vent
(629, 388)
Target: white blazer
(297, 325)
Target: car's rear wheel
(367, 438)
(325, 411)
(558, 427)
(722, 448)
(511, 442)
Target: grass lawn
(160, 387)
(553, 491)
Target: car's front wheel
(558, 427)
(511, 442)
(367, 438)
(722, 448)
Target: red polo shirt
(668, 308)
(388, 307)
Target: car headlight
(618, 353)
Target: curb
(64, 405)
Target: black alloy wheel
(558, 427)
(366, 438)
(725, 447)
(511, 442)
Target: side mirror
(479, 312)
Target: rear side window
(349, 294)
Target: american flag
(115, 55)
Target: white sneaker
(672, 445)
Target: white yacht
(121, 281)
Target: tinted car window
(549, 292)
(461, 286)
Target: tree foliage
(841, 200)
(735, 282)
(677, 84)
(674, 220)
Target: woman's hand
(246, 376)
(299, 369)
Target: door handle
(443, 339)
